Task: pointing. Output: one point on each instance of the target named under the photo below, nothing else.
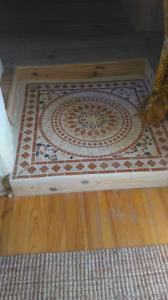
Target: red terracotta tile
(23, 177)
(72, 173)
(24, 164)
(28, 132)
(139, 164)
(38, 176)
(116, 164)
(158, 169)
(26, 147)
(142, 170)
(25, 155)
(27, 139)
(163, 162)
(124, 171)
(92, 166)
(31, 170)
(151, 163)
(44, 169)
(53, 174)
(68, 167)
(107, 172)
(34, 147)
(165, 147)
(55, 168)
(80, 166)
(104, 165)
(128, 164)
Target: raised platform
(78, 129)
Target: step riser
(85, 183)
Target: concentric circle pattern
(91, 124)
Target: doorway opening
(101, 35)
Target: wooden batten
(82, 71)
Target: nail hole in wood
(94, 74)
(53, 189)
(85, 182)
(34, 73)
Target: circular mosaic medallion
(91, 124)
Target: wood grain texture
(54, 32)
(83, 221)
(62, 18)
(82, 71)
(145, 15)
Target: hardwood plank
(83, 221)
(63, 17)
(74, 230)
(6, 215)
(46, 50)
(82, 71)
(56, 235)
(93, 221)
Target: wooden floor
(63, 17)
(65, 32)
(83, 221)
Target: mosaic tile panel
(87, 128)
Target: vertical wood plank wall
(146, 15)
